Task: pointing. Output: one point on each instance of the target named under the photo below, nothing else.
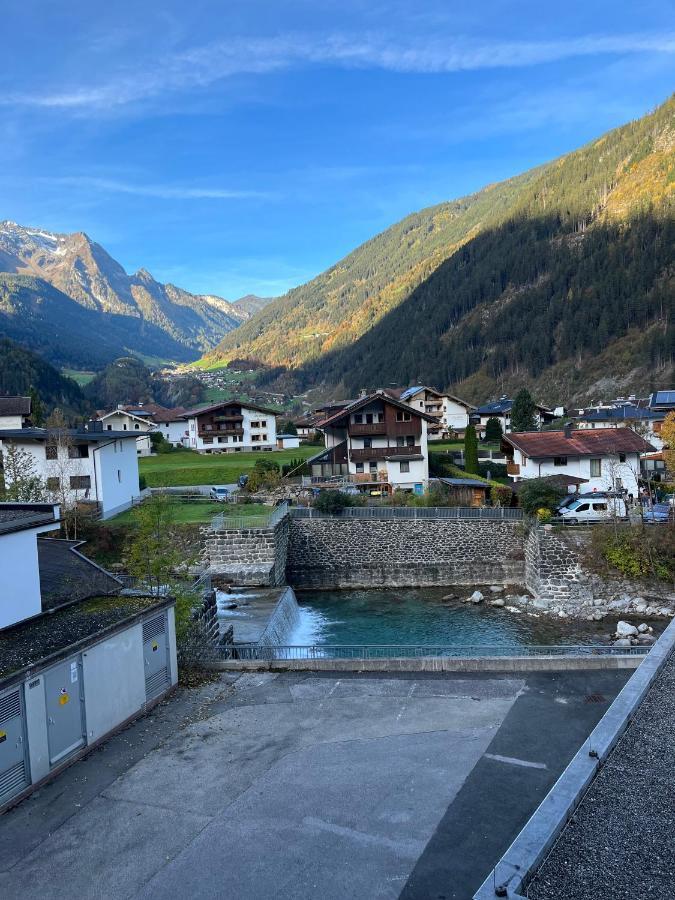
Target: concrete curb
(527, 851)
(434, 664)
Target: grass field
(188, 467)
(80, 377)
(197, 512)
(446, 446)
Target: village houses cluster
(377, 443)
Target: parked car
(220, 494)
(242, 481)
(659, 513)
(593, 508)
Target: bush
(470, 450)
(537, 494)
(142, 482)
(635, 551)
(501, 495)
(264, 476)
(496, 470)
(159, 443)
(333, 502)
(297, 466)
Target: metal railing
(142, 585)
(223, 522)
(255, 652)
(415, 512)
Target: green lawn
(80, 377)
(446, 446)
(197, 512)
(189, 467)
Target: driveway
(305, 785)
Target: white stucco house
(15, 412)
(230, 427)
(606, 458)
(20, 525)
(378, 443)
(89, 465)
(123, 419)
(288, 441)
(451, 413)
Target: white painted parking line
(511, 760)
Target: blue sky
(235, 147)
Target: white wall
(20, 594)
(610, 469)
(266, 435)
(114, 680)
(455, 415)
(117, 474)
(119, 420)
(11, 422)
(174, 432)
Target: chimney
(567, 429)
(363, 393)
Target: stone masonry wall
(336, 553)
(557, 574)
(247, 556)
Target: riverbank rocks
(476, 597)
(626, 630)
(498, 602)
(496, 589)
(622, 642)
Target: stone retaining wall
(337, 553)
(247, 556)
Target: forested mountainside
(21, 371)
(135, 310)
(562, 278)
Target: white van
(593, 509)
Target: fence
(255, 652)
(223, 522)
(141, 585)
(415, 512)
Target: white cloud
(159, 191)
(205, 65)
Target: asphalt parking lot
(306, 785)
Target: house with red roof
(607, 458)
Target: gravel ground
(37, 638)
(620, 842)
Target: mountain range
(65, 296)
(561, 279)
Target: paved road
(304, 786)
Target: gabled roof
(365, 401)
(410, 392)
(503, 405)
(602, 441)
(15, 406)
(125, 412)
(212, 407)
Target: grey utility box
(14, 769)
(156, 656)
(64, 698)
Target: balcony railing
(370, 428)
(512, 468)
(379, 477)
(383, 453)
(234, 418)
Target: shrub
(333, 502)
(634, 551)
(142, 482)
(536, 494)
(544, 515)
(501, 495)
(159, 443)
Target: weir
(283, 621)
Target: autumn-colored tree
(668, 435)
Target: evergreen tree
(36, 411)
(493, 430)
(523, 412)
(470, 450)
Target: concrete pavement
(303, 785)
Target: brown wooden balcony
(234, 418)
(380, 477)
(382, 453)
(512, 468)
(220, 431)
(367, 429)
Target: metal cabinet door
(13, 747)
(65, 709)
(156, 656)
